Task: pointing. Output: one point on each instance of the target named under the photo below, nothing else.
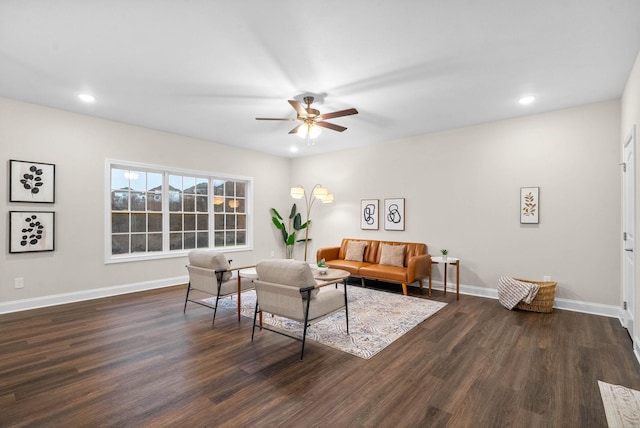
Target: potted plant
(444, 252)
(323, 266)
(295, 224)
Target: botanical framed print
(369, 214)
(394, 214)
(529, 205)
(32, 182)
(31, 231)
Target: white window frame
(122, 258)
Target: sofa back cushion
(210, 259)
(370, 251)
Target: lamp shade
(297, 192)
(320, 192)
(328, 199)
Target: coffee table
(330, 274)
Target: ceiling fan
(311, 118)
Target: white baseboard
(78, 296)
(559, 303)
(490, 293)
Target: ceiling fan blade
(298, 107)
(340, 113)
(295, 130)
(272, 118)
(331, 126)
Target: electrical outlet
(546, 278)
(19, 283)
(273, 253)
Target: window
(157, 212)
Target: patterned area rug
(376, 319)
(621, 405)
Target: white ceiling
(206, 69)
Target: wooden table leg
(458, 280)
(239, 292)
(445, 278)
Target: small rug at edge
(621, 405)
(376, 319)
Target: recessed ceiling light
(293, 149)
(527, 99)
(87, 98)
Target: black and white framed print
(31, 231)
(369, 214)
(32, 182)
(394, 214)
(529, 205)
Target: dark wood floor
(136, 360)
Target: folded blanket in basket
(511, 292)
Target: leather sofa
(390, 261)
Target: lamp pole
(317, 192)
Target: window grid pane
(138, 209)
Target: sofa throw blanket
(511, 292)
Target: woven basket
(544, 299)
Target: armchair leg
(255, 316)
(404, 288)
(215, 310)
(306, 324)
(186, 298)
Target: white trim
(610, 311)
(61, 299)
(490, 293)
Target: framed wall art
(32, 182)
(31, 231)
(394, 214)
(369, 214)
(529, 205)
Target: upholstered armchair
(287, 288)
(210, 273)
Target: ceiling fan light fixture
(310, 130)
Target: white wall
(630, 106)
(461, 189)
(462, 193)
(78, 146)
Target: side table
(448, 261)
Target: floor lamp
(317, 193)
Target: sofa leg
(362, 281)
(404, 289)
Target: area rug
(376, 319)
(621, 405)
